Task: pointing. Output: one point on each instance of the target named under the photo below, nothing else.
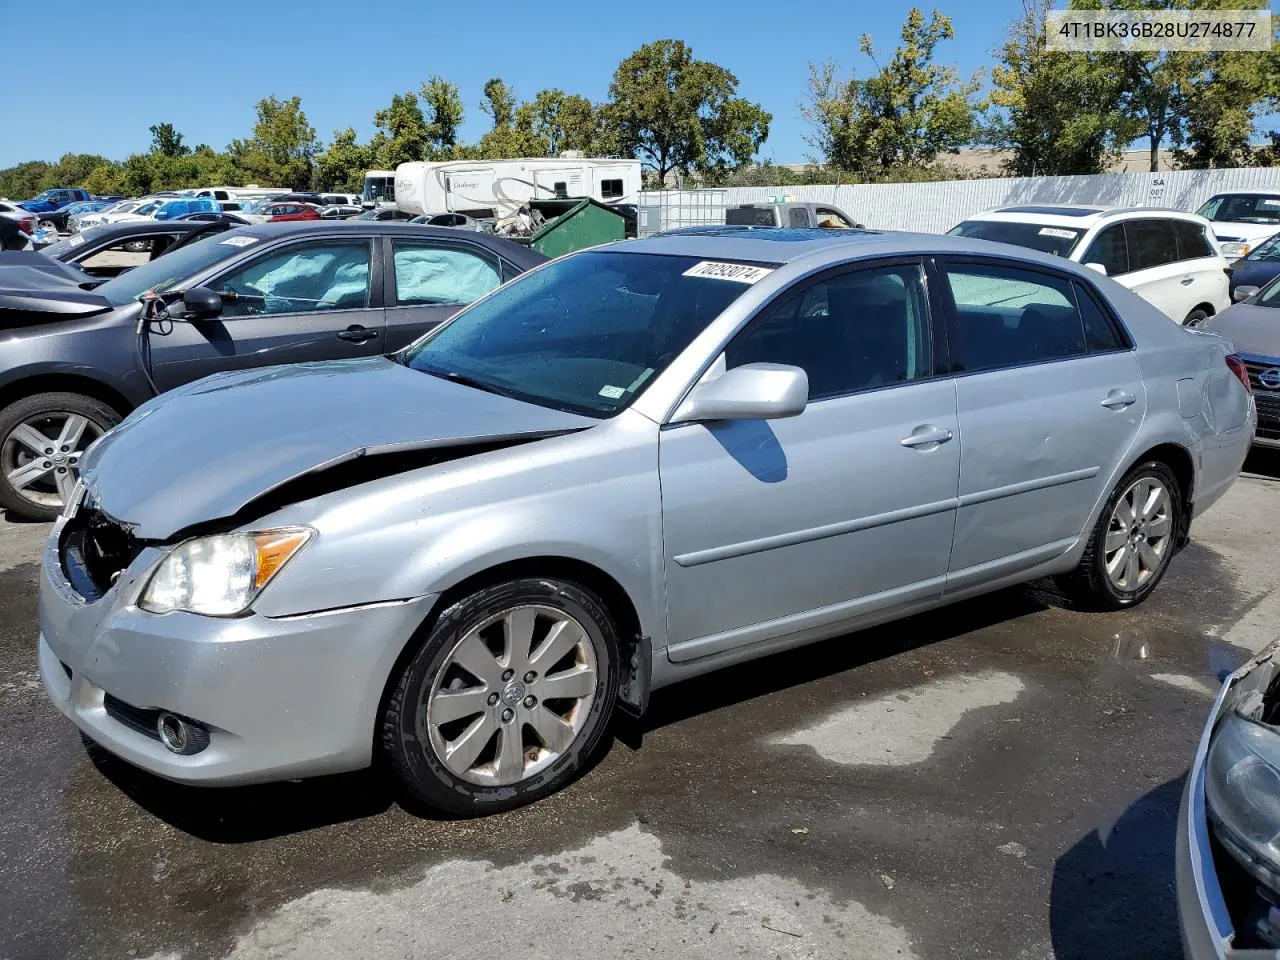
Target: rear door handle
(1187, 281)
(357, 334)
(1118, 400)
(927, 437)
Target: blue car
(1259, 268)
(187, 205)
(54, 199)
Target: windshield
(1267, 250)
(1242, 208)
(585, 334)
(379, 188)
(1056, 240)
(65, 246)
(1270, 294)
(166, 271)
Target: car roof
(517, 253)
(131, 227)
(820, 246)
(1076, 216)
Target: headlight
(220, 576)
(1234, 250)
(1242, 788)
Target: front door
(773, 527)
(431, 280)
(309, 300)
(1050, 400)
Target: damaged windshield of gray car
(586, 334)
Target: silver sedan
(630, 466)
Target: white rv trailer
(496, 188)
(251, 192)
(379, 189)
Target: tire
(50, 226)
(444, 728)
(1092, 584)
(1196, 317)
(41, 497)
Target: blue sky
(126, 64)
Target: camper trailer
(491, 189)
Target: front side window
(1108, 248)
(302, 278)
(1152, 243)
(859, 330)
(1009, 317)
(827, 217)
(586, 334)
(433, 274)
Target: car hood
(1252, 329)
(207, 450)
(49, 289)
(1251, 233)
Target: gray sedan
(630, 466)
(1254, 327)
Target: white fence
(937, 207)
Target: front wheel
(41, 441)
(1132, 543)
(506, 699)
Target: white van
(1242, 219)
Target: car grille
(1256, 368)
(95, 550)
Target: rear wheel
(42, 438)
(1196, 317)
(506, 700)
(1132, 543)
(51, 227)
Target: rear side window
(749, 217)
(798, 217)
(1010, 317)
(1192, 243)
(1108, 248)
(1152, 243)
(859, 330)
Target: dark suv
(74, 361)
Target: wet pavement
(996, 779)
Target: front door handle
(1187, 281)
(357, 334)
(1118, 400)
(927, 437)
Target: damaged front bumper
(1205, 918)
(274, 698)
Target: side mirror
(1097, 266)
(754, 391)
(201, 303)
(1243, 292)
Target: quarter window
(1008, 317)
(303, 278)
(1152, 243)
(1099, 333)
(434, 274)
(853, 331)
(1108, 248)
(1192, 243)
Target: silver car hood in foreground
(205, 451)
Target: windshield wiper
(464, 380)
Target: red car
(293, 211)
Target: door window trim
(374, 279)
(389, 260)
(948, 306)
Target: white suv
(1165, 256)
(1242, 219)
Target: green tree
(405, 136)
(342, 166)
(167, 140)
(499, 103)
(1058, 112)
(282, 149)
(679, 114)
(24, 180)
(442, 108)
(563, 121)
(905, 114)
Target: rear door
(1205, 279)
(428, 281)
(304, 300)
(1050, 398)
(1155, 271)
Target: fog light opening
(179, 735)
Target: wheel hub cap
(1138, 535)
(513, 693)
(40, 457)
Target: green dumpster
(575, 224)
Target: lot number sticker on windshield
(737, 272)
(238, 241)
(1055, 232)
(76, 241)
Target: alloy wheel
(1139, 534)
(511, 696)
(40, 456)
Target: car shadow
(1106, 887)
(1263, 462)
